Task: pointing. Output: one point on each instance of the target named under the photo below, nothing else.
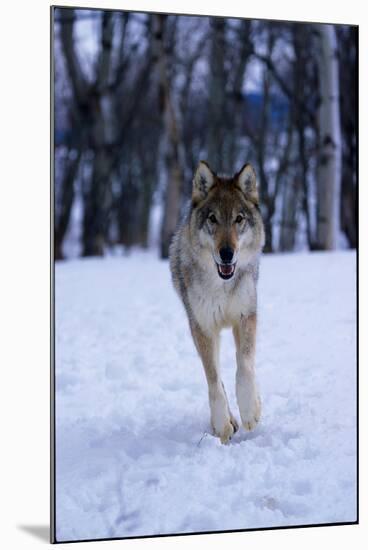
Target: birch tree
(329, 158)
(92, 117)
(64, 200)
(173, 155)
(159, 92)
(217, 97)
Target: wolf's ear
(247, 182)
(203, 180)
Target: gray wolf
(214, 259)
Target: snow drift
(134, 453)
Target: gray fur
(223, 212)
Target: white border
(24, 288)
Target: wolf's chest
(221, 305)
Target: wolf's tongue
(226, 269)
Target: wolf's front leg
(246, 389)
(223, 422)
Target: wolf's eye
(212, 218)
(239, 218)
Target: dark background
(139, 99)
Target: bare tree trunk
(304, 181)
(348, 42)
(261, 158)
(172, 206)
(172, 138)
(234, 133)
(146, 201)
(90, 112)
(94, 222)
(77, 78)
(300, 36)
(217, 89)
(290, 202)
(329, 162)
(66, 202)
(94, 219)
(127, 213)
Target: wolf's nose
(226, 254)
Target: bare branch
(104, 62)
(77, 78)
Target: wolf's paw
(250, 417)
(228, 430)
(234, 422)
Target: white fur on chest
(218, 303)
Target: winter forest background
(140, 98)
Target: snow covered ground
(134, 453)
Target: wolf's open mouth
(226, 271)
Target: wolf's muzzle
(226, 267)
(226, 271)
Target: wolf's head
(226, 220)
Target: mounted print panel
(205, 189)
